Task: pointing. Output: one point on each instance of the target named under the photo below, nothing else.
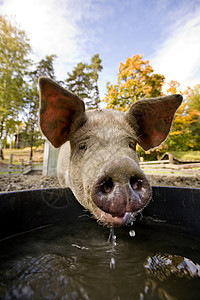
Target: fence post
(50, 159)
(171, 159)
(10, 164)
(22, 166)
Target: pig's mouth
(120, 191)
(119, 204)
(106, 218)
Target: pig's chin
(107, 219)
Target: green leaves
(83, 81)
(14, 49)
(19, 95)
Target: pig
(97, 158)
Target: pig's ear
(61, 112)
(152, 119)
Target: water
(77, 261)
(112, 240)
(132, 233)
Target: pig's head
(98, 159)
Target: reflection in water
(153, 291)
(163, 266)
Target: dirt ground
(37, 181)
(27, 182)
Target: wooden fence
(164, 167)
(149, 167)
(11, 168)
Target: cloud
(53, 27)
(76, 30)
(61, 27)
(48, 29)
(179, 56)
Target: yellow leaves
(135, 80)
(147, 90)
(173, 87)
(132, 67)
(177, 132)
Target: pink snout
(121, 187)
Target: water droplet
(132, 233)
(111, 235)
(141, 296)
(112, 263)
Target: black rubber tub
(24, 210)
(50, 248)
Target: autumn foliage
(185, 131)
(136, 80)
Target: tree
(184, 134)
(14, 49)
(44, 68)
(31, 132)
(193, 97)
(180, 138)
(83, 81)
(79, 81)
(193, 100)
(135, 80)
(95, 68)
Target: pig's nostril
(107, 186)
(135, 183)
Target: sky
(166, 32)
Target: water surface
(77, 262)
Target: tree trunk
(31, 153)
(1, 146)
(5, 141)
(31, 144)
(1, 150)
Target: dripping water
(112, 240)
(132, 233)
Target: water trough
(51, 248)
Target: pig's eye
(132, 146)
(82, 147)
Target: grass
(19, 154)
(187, 155)
(6, 173)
